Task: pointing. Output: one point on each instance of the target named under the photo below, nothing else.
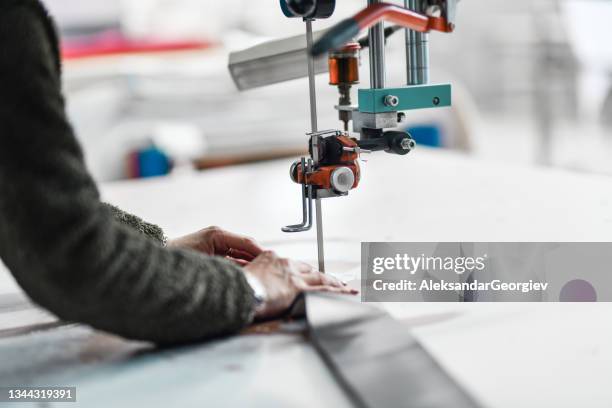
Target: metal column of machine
(376, 35)
(417, 51)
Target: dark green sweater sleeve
(64, 247)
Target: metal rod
(422, 47)
(306, 223)
(315, 141)
(417, 50)
(377, 53)
(311, 81)
(411, 49)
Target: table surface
(505, 355)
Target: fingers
(239, 262)
(317, 278)
(304, 276)
(241, 247)
(331, 289)
(238, 254)
(319, 282)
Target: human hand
(216, 241)
(284, 279)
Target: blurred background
(148, 88)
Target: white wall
(85, 12)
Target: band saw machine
(332, 167)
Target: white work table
(505, 355)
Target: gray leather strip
(376, 359)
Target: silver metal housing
(384, 120)
(273, 62)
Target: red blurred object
(115, 43)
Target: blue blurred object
(426, 135)
(152, 162)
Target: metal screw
(401, 116)
(407, 144)
(391, 100)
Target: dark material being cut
(375, 358)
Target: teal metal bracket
(406, 98)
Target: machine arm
(345, 30)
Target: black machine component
(308, 9)
(331, 150)
(392, 141)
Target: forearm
(137, 289)
(112, 279)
